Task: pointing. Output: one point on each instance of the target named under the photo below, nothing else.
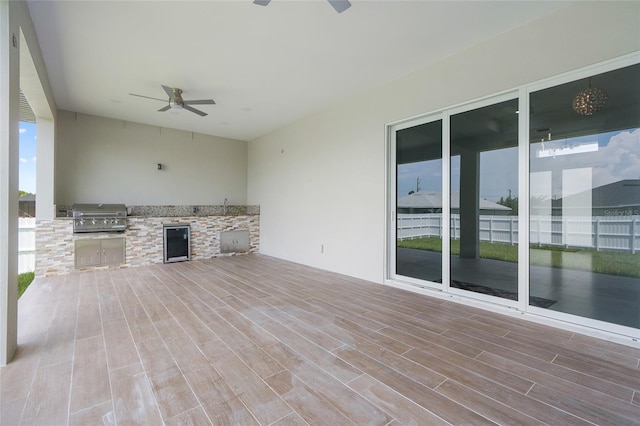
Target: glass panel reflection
(484, 200)
(585, 200)
(419, 202)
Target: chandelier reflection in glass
(589, 101)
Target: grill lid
(99, 210)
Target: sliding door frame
(450, 112)
(526, 91)
(522, 306)
(392, 197)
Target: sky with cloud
(617, 157)
(498, 175)
(27, 168)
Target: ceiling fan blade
(340, 5)
(197, 111)
(169, 91)
(200, 102)
(167, 108)
(148, 97)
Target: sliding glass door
(484, 200)
(418, 153)
(529, 199)
(584, 214)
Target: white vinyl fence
(619, 233)
(26, 244)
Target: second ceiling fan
(339, 5)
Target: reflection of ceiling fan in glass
(339, 5)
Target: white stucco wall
(101, 160)
(320, 182)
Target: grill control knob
(93, 221)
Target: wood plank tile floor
(254, 340)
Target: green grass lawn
(23, 282)
(603, 262)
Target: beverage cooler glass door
(177, 247)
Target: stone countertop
(65, 212)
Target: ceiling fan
(339, 5)
(176, 101)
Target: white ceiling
(264, 66)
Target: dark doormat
(539, 302)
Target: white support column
(45, 152)
(470, 205)
(9, 160)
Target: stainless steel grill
(99, 217)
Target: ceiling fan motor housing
(176, 103)
(176, 100)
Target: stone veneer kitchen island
(55, 239)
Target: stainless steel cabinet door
(98, 251)
(236, 241)
(112, 251)
(87, 253)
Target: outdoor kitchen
(105, 236)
